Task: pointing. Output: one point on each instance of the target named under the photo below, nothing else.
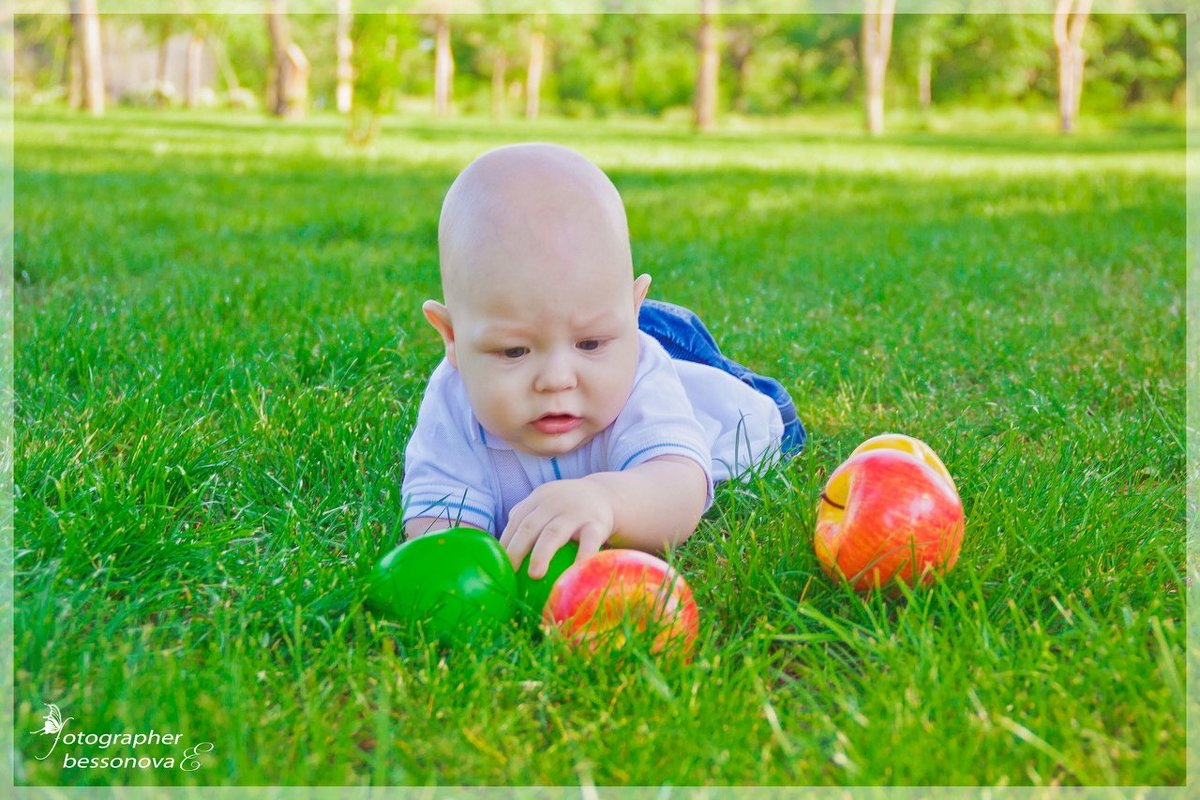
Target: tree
(345, 55)
(42, 46)
(921, 44)
(658, 58)
(88, 60)
(489, 45)
(533, 74)
(499, 81)
(824, 64)
(745, 34)
(876, 48)
(288, 96)
(929, 46)
(708, 64)
(443, 66)
(195, 60)
(1140, 58)
(380, 41)
(241, 47)
(616, 35)
(218, 34)
(160, 27)
(492, 38)
(1070, 20)
(983, 58)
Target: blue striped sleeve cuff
(458, 510)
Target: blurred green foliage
(600, 64)
(380, 41)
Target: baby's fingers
(515, 517)
(591, 538)
(553, 536)
(520, 535)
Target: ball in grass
(616, 594)
(456, 585)
(532, 594)
(906, 444)
(890, 512)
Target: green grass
(219, 359)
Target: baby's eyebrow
(497, 329)
(603, 318)
(581, 325)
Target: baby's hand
(554, 514)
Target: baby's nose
(556, 375)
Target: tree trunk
(1070, 20)
(876, 49)
(74, 69)
(739, 58)
(499, 81)
(160, 76)
(281, 39)
(345, 52)
(297, 84)
(925, 81)
(533, 77)
(85, 23)
(195, 61)
(709, 57)
(62, 56)
(288, 96)
(160, 81)
(443, 67)
(628, 55)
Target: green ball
(456, 585)
(533, 594)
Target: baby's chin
(553, 445)
(551, 449)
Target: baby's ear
(439, 317)
(640, 287)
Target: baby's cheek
(491, 397)
(623, 386)
(612, 403)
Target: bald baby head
(540, 314)
(531, 213)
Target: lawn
(219, 356)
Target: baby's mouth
(557, 423)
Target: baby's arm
(446, 482)
(648, 507)
(657, 504)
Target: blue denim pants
(684, 337)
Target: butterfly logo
(54, 723)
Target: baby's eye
(589, 345)
(514, 352)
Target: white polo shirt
(454, 468)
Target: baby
(568, 406)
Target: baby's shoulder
(656, 384)
(654, 366)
